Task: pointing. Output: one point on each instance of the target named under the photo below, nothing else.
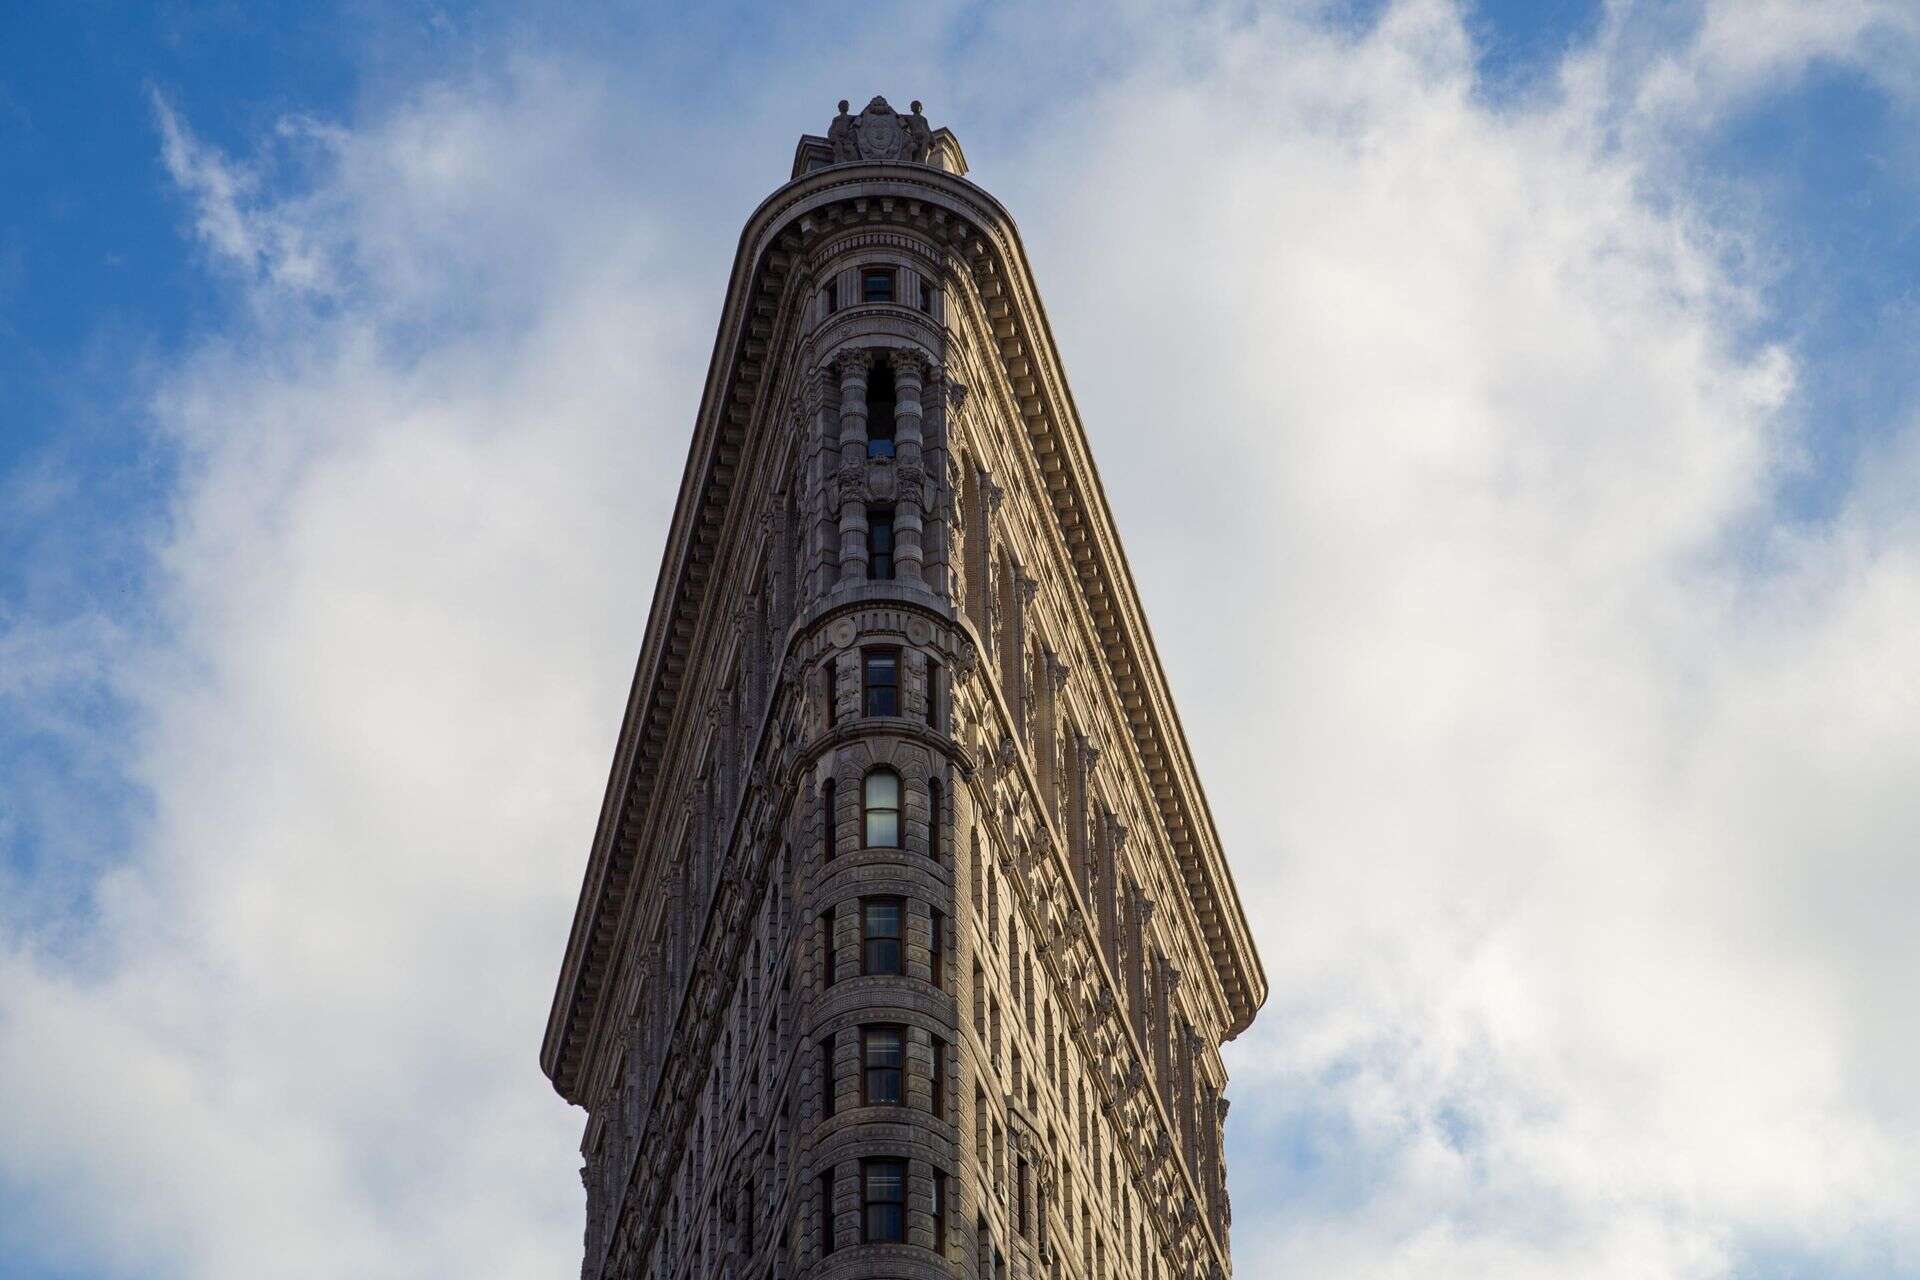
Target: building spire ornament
(880, 135)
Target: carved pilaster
(850, 476)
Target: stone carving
(919, 136)
(853, 363)
(850, 482)
(813, 392)
(966, 661)
(879, 134)
(994, 493)
(910, 483)
(840, 136)
(909, 365)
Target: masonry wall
(1059, 1100)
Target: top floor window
(876, 284)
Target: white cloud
(1562, 776)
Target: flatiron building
(906, 946)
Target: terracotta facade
(906, 946)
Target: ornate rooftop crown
(880, 135)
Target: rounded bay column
(847, 487)
(909, 378)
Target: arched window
(882, 802)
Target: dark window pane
(883, 955)
(884, 1054)
(882, 408)
(883, 919)
(883, 1197)
(880, 952)
(880, 542)
(876, 286)
(881, 681)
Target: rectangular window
(882, 1056)
(826, 1212)
(880, 542)
(1020, 1196)
(826, 1076)
(939, 1078)
(933, 694)
(927, 289)
(936, 816)
(880, 682)
(827, 299)
(827, 680)
(937, 943)
(881, 805)
(880, 936)
(940, 1210)
(876, 284)
(826, 821)
(826, 948)
(883, 1200)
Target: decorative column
(909, 377)
(1217, 1184)
(847, 487)
(1113, 849)
(943, 483)
(801, 552)
(819, 561)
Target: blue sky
(349, 354)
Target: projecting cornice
(980, 237)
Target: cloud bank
(1566, 775)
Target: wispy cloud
(1565, 775)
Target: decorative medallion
(878, 133)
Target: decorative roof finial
(880, 135)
